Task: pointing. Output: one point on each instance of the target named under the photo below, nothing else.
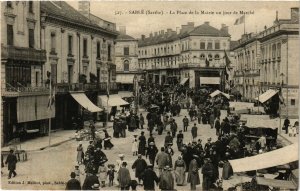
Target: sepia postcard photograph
(150, 95)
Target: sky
(260, 14)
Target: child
(134, 147)
(102, 171)
(77, 172)
(111, 174)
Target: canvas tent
(217, 92)
(279, 157)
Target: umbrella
(153, 106)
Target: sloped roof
(63, 10)
(207, 30)
(125, 37)
(158, 39)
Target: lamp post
(281, 85)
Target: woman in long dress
(107, 143)
(134, 147)
(180, 171)
(80, 154)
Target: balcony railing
(22, 53)
(22, 91)
(202, 64)
(102, 86)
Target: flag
(207, 62)
(51, 100)
(227, 66)
(240, 20)
(281, 99)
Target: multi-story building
(24, 100)
(193, 55)
(126, 59)
(280, 60)
(247, 71)
(270, 60)
(80, 56)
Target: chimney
(162, 32)
(155, 33)
(295, 14)
(151, 35)
(224, 28)
(143, 37)
(190, 24)
(84, 8)
(177, 30)
(169, 31)
(122, 29)
(206, 22)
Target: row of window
(30, 5)
(160, 50)
(10, 36)
(271, 51)
(85, 46)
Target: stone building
(80, 57)
(269, 60)
(126, 59)
(24, 99)
(193, 55)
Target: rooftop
(125, 37)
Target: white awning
(183, 81)
(241, 105)
(276, 183)
(209, 80)
(261, 161)
(113, 100)
(125, 78)
(217, 92)
(85, 102)
(262, 123)
(266, 96)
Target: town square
(112, 95)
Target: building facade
(24, 99)
(193, 55)
(270, 60)
(126, 59)
(80, 57)
(247, 71)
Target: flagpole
(50, 100)
(107, 89)
(244, 24)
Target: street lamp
(281, 85)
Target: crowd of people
(163, 107)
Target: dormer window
(9, 4)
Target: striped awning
(85, 102)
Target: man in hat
(142, 144)
(124, 177)
(142, 121)
(73, 183)
(150, 139)
(11, 162)
(151, 152)
(168, 139)
(140, 166)
(173, 128)
(169, 150)
(149, 178)
(162, 159)
(93, 129)
(207, 147)
(193, 175)
(166, 179)
(208, 173)
(225, 126)
(89, 181)
(185, 121)
(194, 131)
(179, 140)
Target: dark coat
(149, 177)
(73, 184)
(139, 165)
(89, 182)
(11, 160)
(151, 152)
(194, 131)
(193, 175)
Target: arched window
(210, 57)
(217, 57)
(202, 57)
(126, 65)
